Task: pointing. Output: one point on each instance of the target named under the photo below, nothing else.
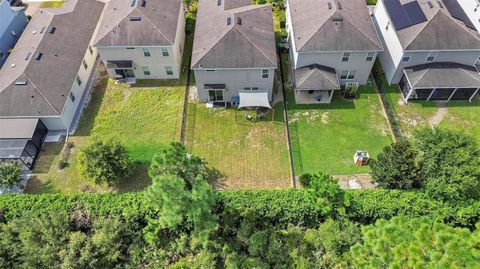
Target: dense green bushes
(280, 207)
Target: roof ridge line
(211, 47)
(40, 92)
(423, 74)
(248, 39)
(146, 17)
(346, 18)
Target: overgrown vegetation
(180, 221)
(10, 174)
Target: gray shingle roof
(249, 45)
(316, 77)
(441, 31)
(445, 75)
(316, 27)
(157, 27)
(49, 79)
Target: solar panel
(414, 13)
(404, 16)
(457, 12)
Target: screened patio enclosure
(21, 140)
(440, 82)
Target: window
(347, 74)
(406, 57)
(251, 89)
(146, 71)
(130, 48)
(370, 56)
(351, 75)
(85, 65)
(1, 54)
(90, 49)
(79, 81)
(210, 70)
(431, 56)
(165, 52)
(265, 73)
(72, 97)
(146, 52)
(215, 95)
(346, 57)
(169, 70)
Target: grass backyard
(248, 155)
(144, 117)
(457, 115)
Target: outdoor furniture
(361, 158)
(318, 98)
(260, 116)
(248, 117)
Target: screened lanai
(21, 140)
(440, 82)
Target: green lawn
(326, 136)
(144, 117)
(249, 155)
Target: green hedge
(279, 207)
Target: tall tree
(416, 243)
(396, 167)
(449, 164)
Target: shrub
(396, 167)
(10, 174)
(63, 162)
(104, 162)
(450, 164)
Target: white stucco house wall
(332, 44)
(46, 75)
(142, 39)
(12, 24)
(431, 51)
(233, 50)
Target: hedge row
(280, 207)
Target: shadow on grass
(137, 181)
(48, 152)
(36, 186)
(296, 151)
(216, 178)
(87, 120)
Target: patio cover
(252, 99)
(316, 77)
(17, 128)
(443, 75)
(120, 64)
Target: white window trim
(373, 56)
(171, 69)
(146, 51)
(348, 74)
(163, 50)
(407, 55)
(348, 57)
(268, 74)
(434, 53)
(146, 69)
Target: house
(12, 24)
(233, 51)
(47, 75)
(431, 48)
(141, 39)
(333, 44)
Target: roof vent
(429, 4)
(38, 56)
(239, 21)
(21, 82)
(34, 32)
(13, 65)
(337, 19)
(329, 5)
(135, 18)
(143, 3)
(229, 20)
(132, 3)
(339, 5)
(43, 30)
(51, 29)
(28, 56)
